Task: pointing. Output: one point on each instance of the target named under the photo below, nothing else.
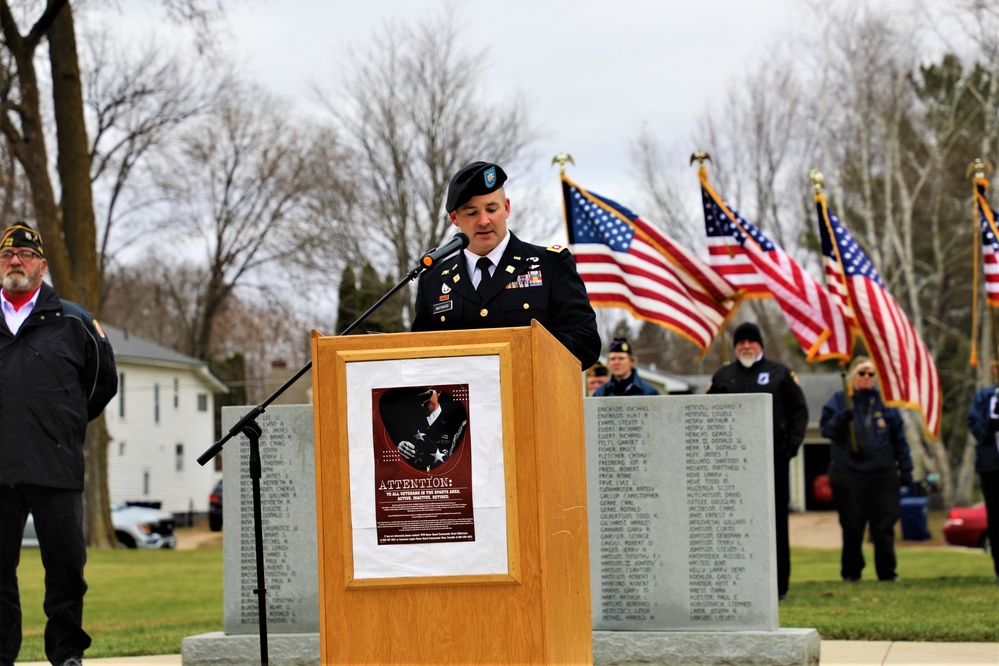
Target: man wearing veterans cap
(752, 373)
(624, 377)
(57, 372)
(500, 280)
(596, 376)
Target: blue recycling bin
(914, 513)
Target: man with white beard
(752, 373)
(57, 372)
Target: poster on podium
(427, 469)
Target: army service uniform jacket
(530, 282)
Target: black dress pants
(860, 500)
(58, 518)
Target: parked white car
(135, 527)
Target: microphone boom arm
(459, 241)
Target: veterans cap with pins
(471, 181)
(20, 234)
(620, 345)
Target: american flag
(726, 253)
(990, 243)
(907, 374)
(627, 263)
(766, 271)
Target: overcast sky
(593, 71)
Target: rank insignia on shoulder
(557, 248)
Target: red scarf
(18, 300)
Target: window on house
(179, 464)
(202, 402)
(121, 449)
(176, 393)
(145, 484)
(156, 403)
(121, 394)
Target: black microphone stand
(249, 427)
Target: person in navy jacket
(624, 379)
(983, 422)
(866, 471)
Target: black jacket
(983, 409)
(530, 282)
(790, 411)
(56, 374)
(880, 434)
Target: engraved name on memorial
(288, 512)
(681, 520)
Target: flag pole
(700, 157)
(976, 170)
(818, 182)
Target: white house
(160, 422)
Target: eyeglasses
(862, 373)
(24, 255)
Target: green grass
(146, 602)
(140, 601)
(944, 595)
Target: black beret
(747, 331)
(620, 345)
(471, 181)
(20, 234)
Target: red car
(967, 526)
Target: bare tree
(238, 187)
(414, 115)
(136, 104)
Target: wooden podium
(516, 593)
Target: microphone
(458, 242)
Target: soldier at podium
(499, 280)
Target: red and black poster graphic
(423, 464)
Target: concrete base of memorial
(784, 647)
(219, 649)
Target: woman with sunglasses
(869, 463)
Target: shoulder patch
(794, 376)
(557, 248)
(100, 331)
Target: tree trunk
(79, 233)
(96, 498)
(77, 206)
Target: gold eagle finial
(561, 159)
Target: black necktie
(483, 265)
